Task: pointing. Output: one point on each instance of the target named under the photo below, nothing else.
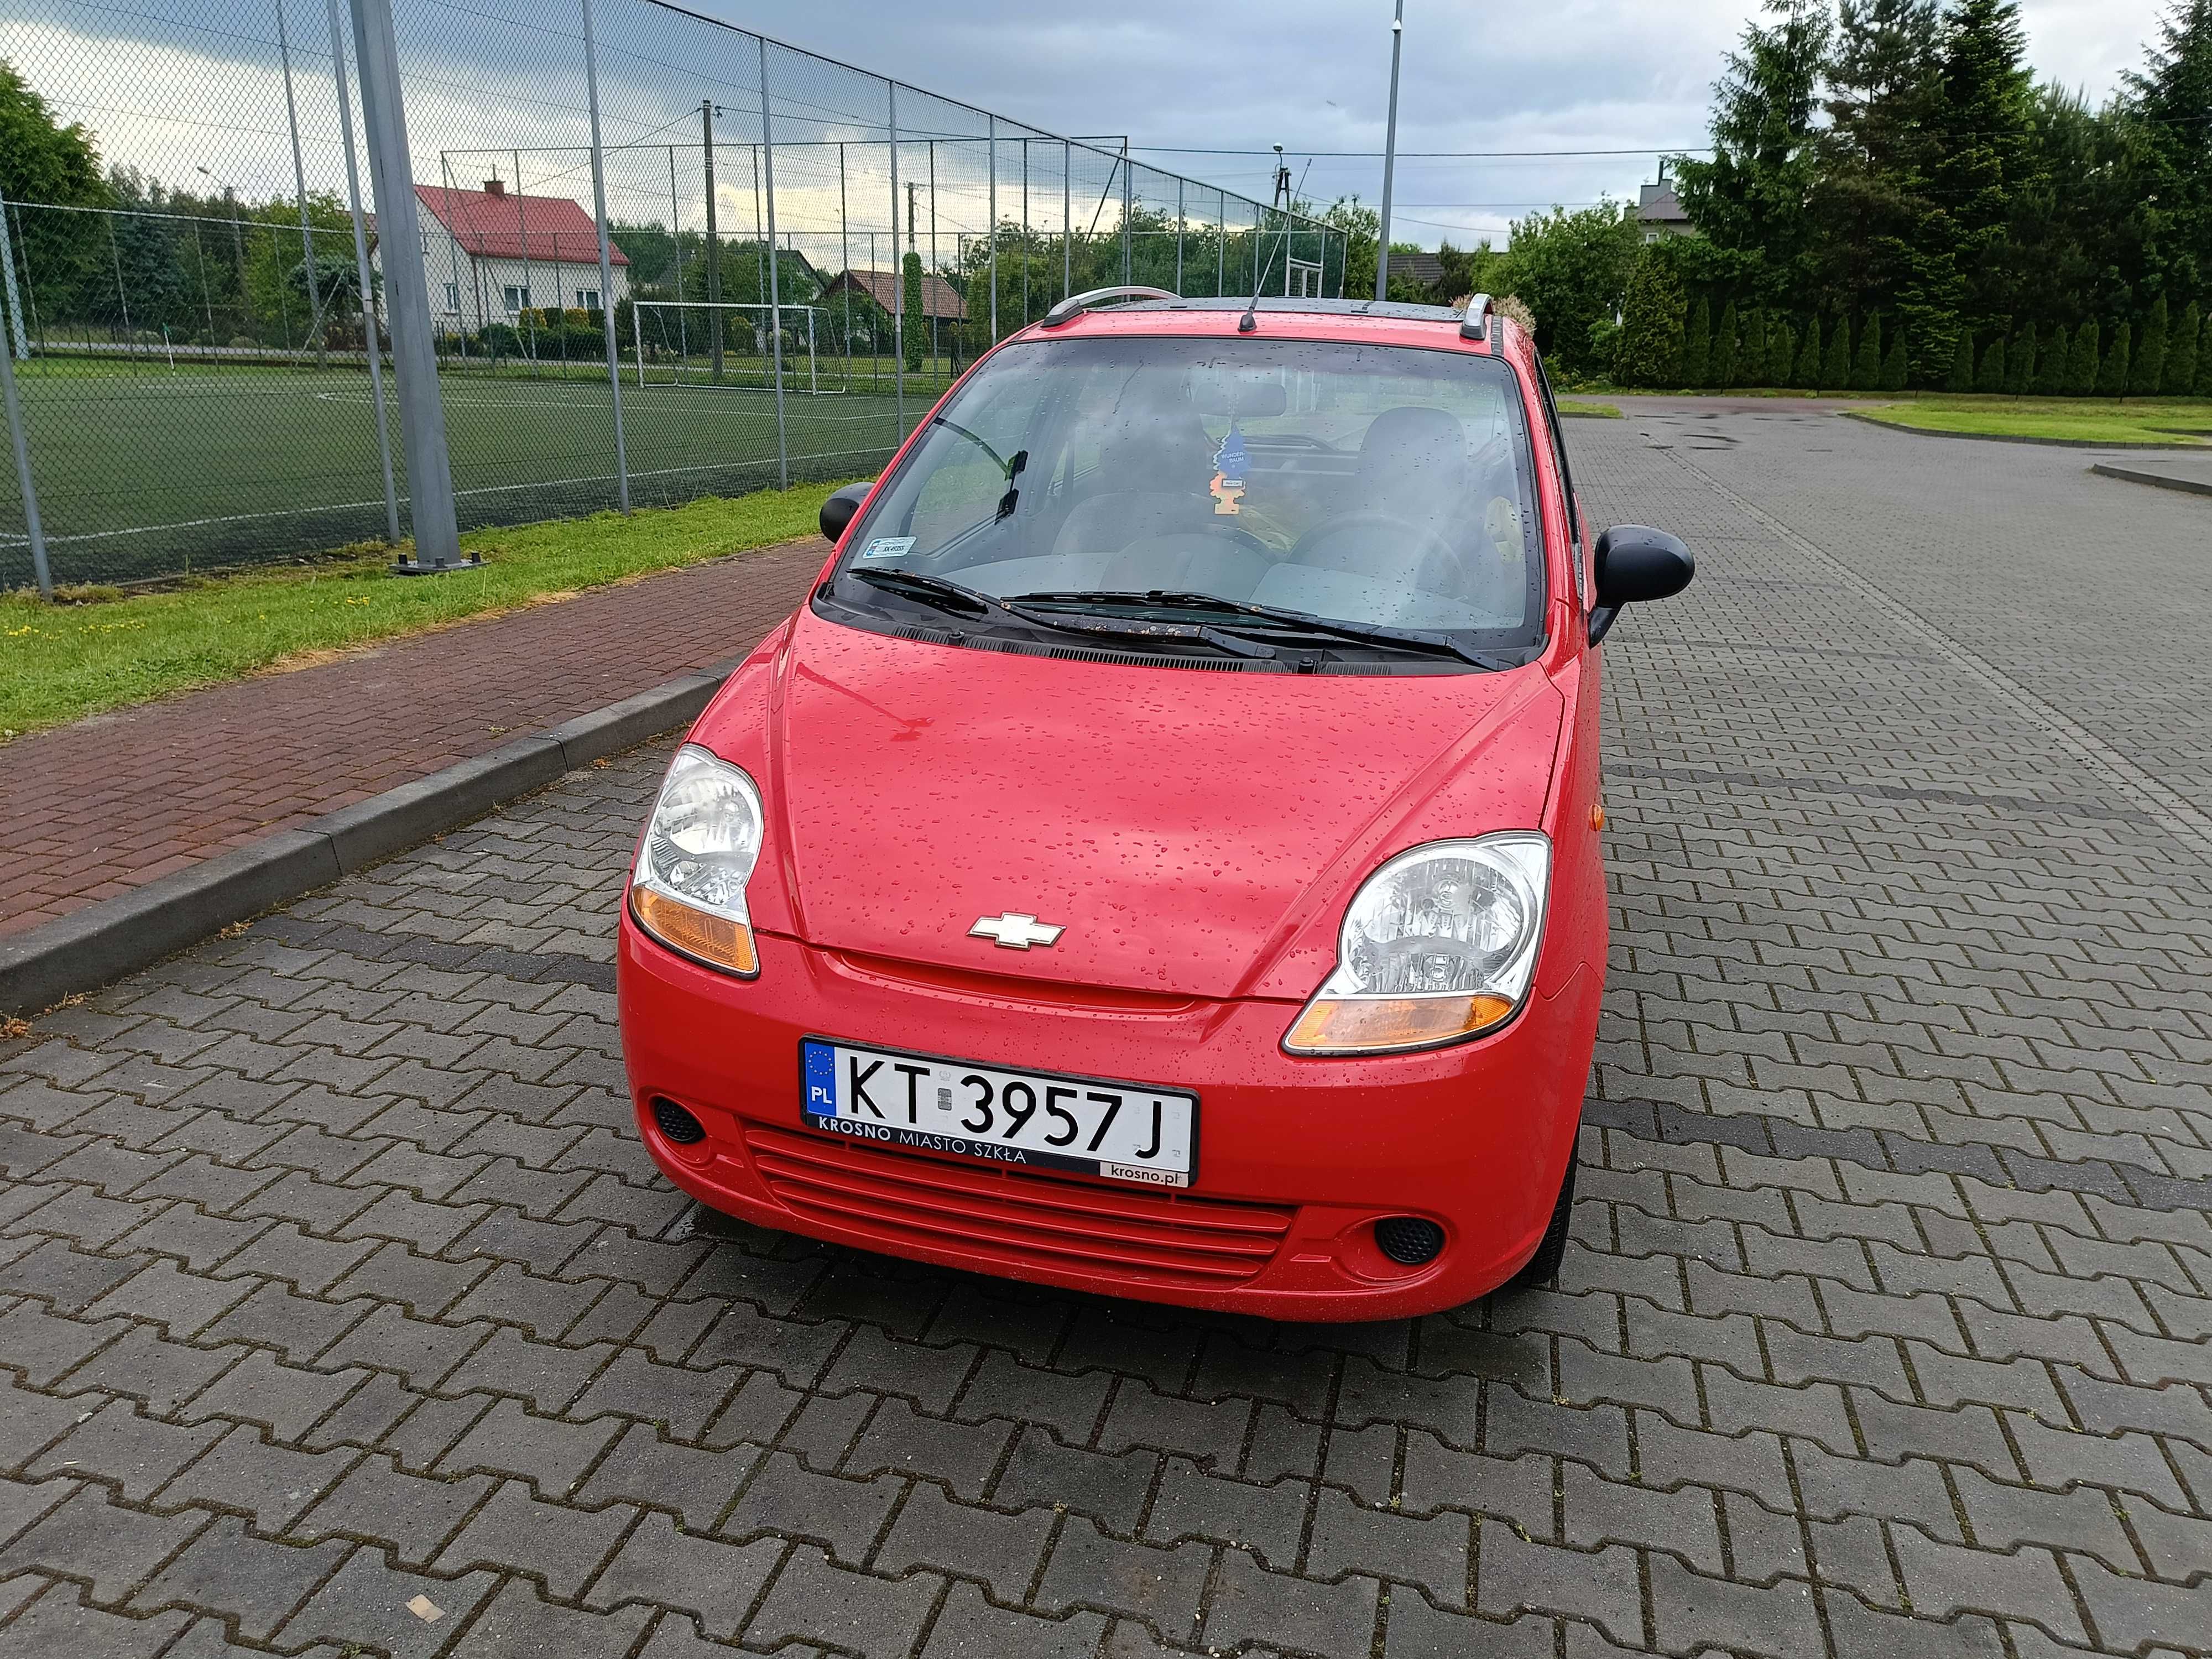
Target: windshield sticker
(887, 547)
(1232, 465)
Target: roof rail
(1476, 326)
(1076, 304)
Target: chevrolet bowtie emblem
(1015, 930)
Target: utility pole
(1389, 158)
(714, 243)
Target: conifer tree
(1836, 360)
(1991, 376)
(2182, 351)
(1894, 364)
(1648, 351)
(1962, 377)
(2113, 378)
(1866, 363)
(2050, 367)
(1781, 353)
(1751, 355)
(1807, 373)
(2168, 109)
(1698, 345)
(916, 326)
(1722, 370)
(2019, 361)
(2148, 369)
(2082, 362)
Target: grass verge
(2148, 421)
(60, 663)
(1600, 411)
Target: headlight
(1439, 944)
(688, 888)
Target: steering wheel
(1411, 550)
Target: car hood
(1195, 834)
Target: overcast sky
(1314, 75)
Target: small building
(940, 300)
(489, 254)
(1658, 213)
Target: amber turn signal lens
(1356, 1025)
(718, 941)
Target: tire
(1544, 1266)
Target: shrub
(2082, 362)
(1961, 378)
(1807, 373)
(2112, 381)
(1990, 377)
(1722, 370)
(2182, 350)
(2149, 368)
(1698, 346)
(1836, 360)
(1648, 351)
(1781, 352)
(1866, 363)
(2049, 380)
(1751, 354)
(1896, 365)
(2019, 361)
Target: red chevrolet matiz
(1161, 856)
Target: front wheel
(1543, 1267)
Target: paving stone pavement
(341, 1312)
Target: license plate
(924, 1102)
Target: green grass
(144, 471)
(2177, 423)
(61, 662)
(1601, 411)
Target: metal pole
(713, 245)
(991, 129)
(22, 346)
(898, 277)
(1220, 243)
(1128, 195)
(1067, 220)
(1025, 233)
(530, 301)
(675, 232)
(607, 261)
(361, 265)
(414, 360)
(299, 175)
(775, 298)
(1389, 158)
(927, 310)
(845, 262)
(1179, 190)
(453, 245)
(22, 447)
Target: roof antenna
(1248, 321)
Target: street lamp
(1389, 157)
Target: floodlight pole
(367, 284)
(1389, 157)
(606, 259)
(775, 299)
(414, 358)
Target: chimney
(494, 187)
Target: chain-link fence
(195, 290)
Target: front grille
(1018, 1219)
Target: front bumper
(1297, 1156)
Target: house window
(518, 299)
(587, 299)
(453, 298)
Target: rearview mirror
(1634, 563)
(837, 511)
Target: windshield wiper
(1011, 465)
(1304, 622)
(952, 598)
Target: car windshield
(1385, 487)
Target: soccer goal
(727, 345)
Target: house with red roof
(490, 254)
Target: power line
(1433, 154)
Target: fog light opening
(1408, 1240)
(679, 1125)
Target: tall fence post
(775, 293)
(367, 282)
(713, 244)
(607, 261)
(1179, 205)
(1128, 197)
(20, 341)
(300, 180)
(898, 278)
(991, 128)
(22, 446)
(414, 359)
(1067, 220)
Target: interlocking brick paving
(332, 1275)
(111, 803)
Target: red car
(1161, 856)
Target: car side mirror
(837, 511)
(1635, 563)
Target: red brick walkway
(99, 807)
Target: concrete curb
(2155, 480)
(103, 941)
(2001, 437)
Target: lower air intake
(676, 1124)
